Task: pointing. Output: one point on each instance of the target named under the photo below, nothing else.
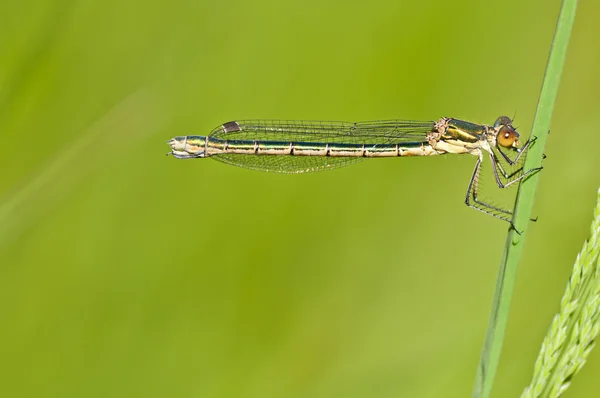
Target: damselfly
(306, 146)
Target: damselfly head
(186, 147)
(506, 134)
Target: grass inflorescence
(574, 329)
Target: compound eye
(507, 137)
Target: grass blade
(513, 248)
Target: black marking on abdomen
(292, 148)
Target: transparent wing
(370, 132)
(286, 164)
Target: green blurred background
(124, 273)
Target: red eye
(507, 137)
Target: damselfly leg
(503, 179)
(472, 200)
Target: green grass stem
(513, 248)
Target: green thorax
(463, 131)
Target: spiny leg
(484, 207)
(508, 177)
(478, 204)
